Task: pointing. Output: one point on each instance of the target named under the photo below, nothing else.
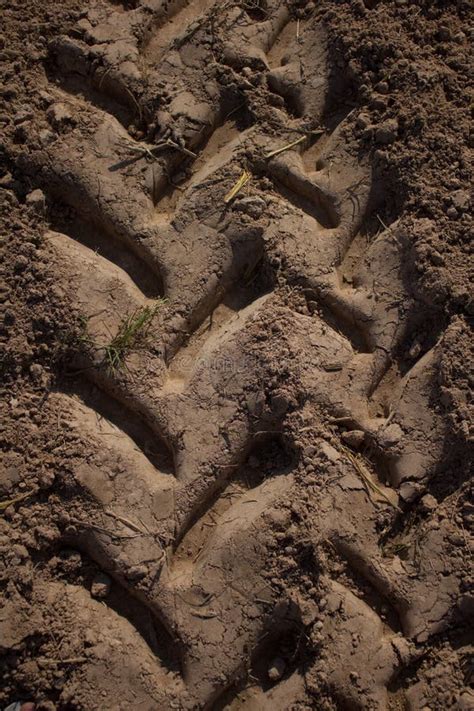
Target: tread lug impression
(245, 421)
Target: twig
(107, 71)
(234, 111)
(204, 602)
(184, 150)
(196, 557)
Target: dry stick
(211, 516)
(204, 615)
(206, 600)
(184, 150)
(145, 526)
(381, 221)
(237, 108)
(198, 554)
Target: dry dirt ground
(236, 355)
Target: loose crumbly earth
(236, 355)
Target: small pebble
(253, 206)
(429, 503)
(354, 438)
(444, 33)
(276, 669)
(363, 120)
(387, 132)
(59, 115)
(36, 371)
(382, 87)
(461, 200)
(101, 585)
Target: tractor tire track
(177, 450)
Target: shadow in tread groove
(80, 87)
(199, 346)
(366, 591)
(288, 644)
(90, 236)
(164, 35)
(105, 406)
(156, 636)
(273, 460)
(309, 202)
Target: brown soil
(238, 422)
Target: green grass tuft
(132, 330)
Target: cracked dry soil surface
(236, 355)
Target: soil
(236, 355)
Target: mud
(236, 355)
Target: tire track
(377, 309)
(104, 552)
(153, 50)
(210, 416)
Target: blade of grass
(133, 328)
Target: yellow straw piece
(285, 148)
(243, 180)
(5, 504)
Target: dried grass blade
(366, 477)
(5, 504)
(243, 180)
(277, 151)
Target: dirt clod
(101, 586)
(277, 669)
